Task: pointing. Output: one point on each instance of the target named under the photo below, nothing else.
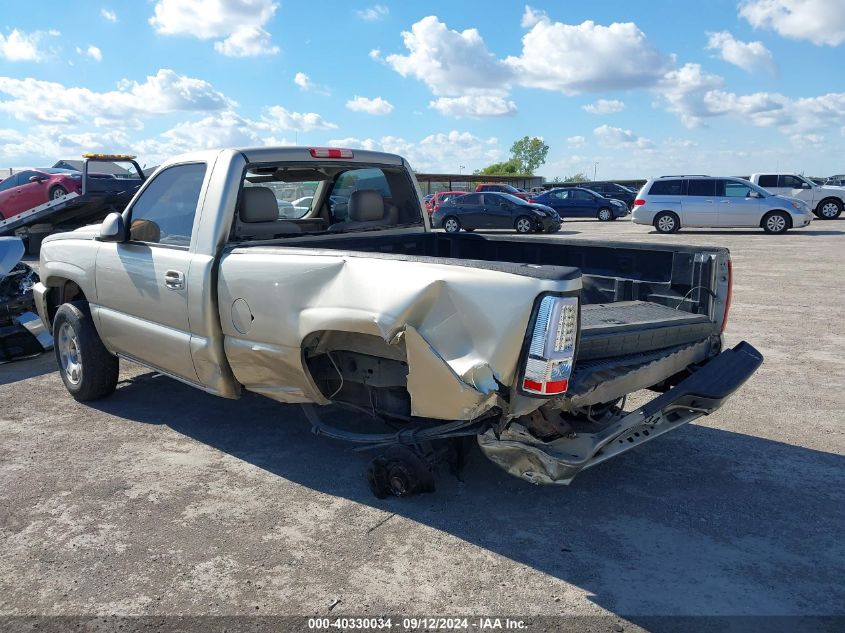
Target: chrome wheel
(451, 225)
(829, 210)
(776, 223)
(69, 356)
(604, 215)
(666, 224)
(523, 225)
(58, 193)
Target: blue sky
(639, 88)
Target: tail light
(730, 295)
(330, 152)
(639, 202)
(551, 351)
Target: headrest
(258, 204)
(366, 205)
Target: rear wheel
(451, 224)
(523, 224)
(604, 215)
(829, 209)
(57, 192)
(667, 222)
(87, 368)
(775, 222)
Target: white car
(670, 203)
(826, 201)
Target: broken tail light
(551, 350)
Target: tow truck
(101, 194)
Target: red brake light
(730, 295)
(330, 152)
(639, 202)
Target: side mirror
(36, 179)
(755, 194)
(805, 185)
(113, 229)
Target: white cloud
(283, 119)
(450, 63)
(574, 142)
(108, 15)
(238, 25)
(442, 152)
(303, 81)
(587, 57)
(376, 106)
(684, 90)
(473, 106)
(604, 106)
(92, 51)
(19, 46)
(162, 93)
(750, 56)
(616, 137)
(821, 22)
(373, 13)
(531, 16)
(374, 54)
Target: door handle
(174, 279)
(726, 201)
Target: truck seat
(258, 216)
(367, 209)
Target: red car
(495, 187)
(440, 197)
(33, 187)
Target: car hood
(541, 207)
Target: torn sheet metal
(21, 332)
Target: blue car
(579, 202)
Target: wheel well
(782, 211)
(657, 215)
(62, 291)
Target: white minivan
(670, 203)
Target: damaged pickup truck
(213, 276)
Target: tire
(667, 222)
(776, 222)
(829, 209)
(523, 224)
(604, 215)
(87, 368)
(451, 224)
(57, 192)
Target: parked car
(427, 202)
(495, 187)
(836, 181)
(494, 211)
(825, 201)
(442, 196)
(614, 191)
(33, 187)
(673, 202)
(578, 202)
(442, 336)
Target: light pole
(595, 169)
(461, 169)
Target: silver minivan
(670, 203)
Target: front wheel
(666, 222)
(57, 192)
(87, 368)
(523, 224)
(451, 224)
(776, 223)
(829, 209)
(604, 215)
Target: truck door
(736, 206)
(699, 206)
(142, 293)
(794, 187)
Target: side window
(735, 189)
(164, 213)
(562, 195)
(702, 187)
(666, 188)
(22, 178)
(473, 198)
(582, 195)
(768, 180)
(8, 183)
(791, 181)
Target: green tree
(507, 168)
(530, 153)
(579, 177)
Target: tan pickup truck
(311, 275)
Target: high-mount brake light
(551, 352)
(639, 202)
(331, 152)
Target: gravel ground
(165, 500)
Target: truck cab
(827, 202)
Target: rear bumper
(557, 462)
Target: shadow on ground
(27, 368)
(702, 521)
